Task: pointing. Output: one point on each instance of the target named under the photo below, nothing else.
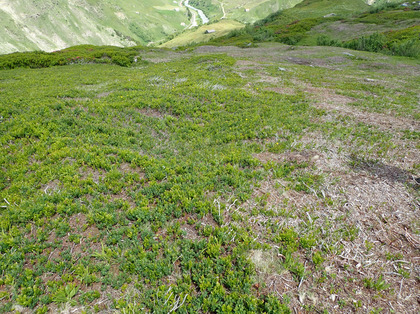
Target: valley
(56, 24)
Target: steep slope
(227, 16)
(388, 27)
(293, 21)
(55, 24)
(244, 11)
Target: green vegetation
(141, 186)
(28, 25)
(88, 154)
(198, 35)
(404, 42)
(210, 8)
(75, 55)
(51, 25)
(388, 28)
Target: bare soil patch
(329, 100)
(375, 201)
(152, 113)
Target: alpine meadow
(269, 166)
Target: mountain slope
(245, 11)
(55, 24)
(388, 27)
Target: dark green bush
(383, 7)
(73, 55)
(374, 43)
(324, 40)
(401, 43)
(407, 48)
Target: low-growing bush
(75, 55)
(324, 40)
(407, 48)
(400, 43)
(383, 6)
(374, 43)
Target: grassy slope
(221, 179)
(304, 23)
(235, 18)
(198, 35)
(257, 10)
(51, 25)
(307, 9)
(246, 11)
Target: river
(203, 17)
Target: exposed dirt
(282, 90)
(51, 187)
(329, 100)
(375, 202)
(374, 199)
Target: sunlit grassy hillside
(388, 27)
(52, 25)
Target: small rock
(281, 69)
(18, 308)
(315, 158)
(348, 54)
(369, 80)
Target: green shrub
(74, 55)
(324, 40)
(408, 48)
(373, 43)
(383, 6)
(401, 43)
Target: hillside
(390, 27)
(50, 25)
(276, 179)
(244, 11)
